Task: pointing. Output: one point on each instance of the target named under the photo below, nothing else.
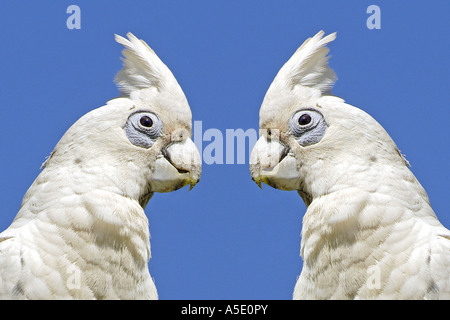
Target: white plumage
(81, 231)
(369, 231)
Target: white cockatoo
(369, 231)
(81, 232)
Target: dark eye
(304, 119)
(146, 121)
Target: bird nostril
(178, 136)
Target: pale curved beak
(179, 166)
(272, 163)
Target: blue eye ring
(304, 120)
(146, 122)
(308, 126)
(143, 128)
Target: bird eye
(308, 126)
(304, 119)
(146, 121)
(143, 128)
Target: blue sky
(226, 239)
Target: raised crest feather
(141, 66)
(308, 66)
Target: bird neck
(345, 217)
(89, 213)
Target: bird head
(309, 139)
(139, 143)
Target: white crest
(141, 67)
(308, 66)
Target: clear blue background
(226, 239)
